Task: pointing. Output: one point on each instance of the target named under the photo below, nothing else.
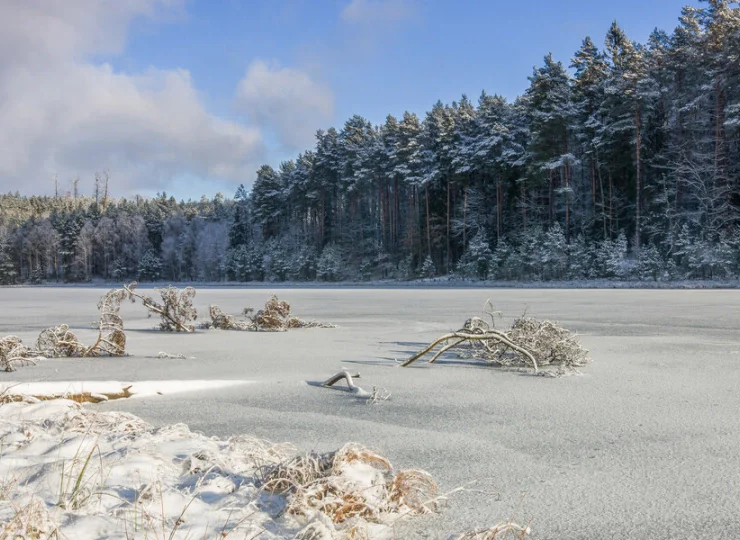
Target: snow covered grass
(67, 471)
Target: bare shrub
(176, 311)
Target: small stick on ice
(346, 376)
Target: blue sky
(255, 78)
(431, 50)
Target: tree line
(624, 163)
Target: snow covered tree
(150, 267)
(330, 265)
(477, 261)
(428, 270)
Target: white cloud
(286, 101)
(377, 11)
(63, 113)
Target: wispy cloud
(65, 113)
(286, 101)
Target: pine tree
(550, 111)
(150, 267)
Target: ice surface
(643, 445)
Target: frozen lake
(643, 445)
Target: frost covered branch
(176, 310)
(274, 317)
(529, 342)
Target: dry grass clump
(14, 353)
(274, 317)
(528, 343)
(500, 531)
(30, 521)
(349, 486)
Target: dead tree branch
(462, 336)
(343, 375)
(176, 310)
(528, 342)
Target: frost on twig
(223, 321)
(529, 342)
(274, 317)
(14, 353)
(59, 341)
(176, 311)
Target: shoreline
(432, 283)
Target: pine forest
(623, 163)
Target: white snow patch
(138, 389)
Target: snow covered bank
(86, 474)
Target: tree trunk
(429, 230)
(611, 205)
(524, 208)
(465, 217)
(551, 202)
(499, 208)
(449, 244)
(638, 179)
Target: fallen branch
(176, 310)
(342, 375)
(223, 321)
(463, 336)
(59, 341)
(274, 317)
(528, 342)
